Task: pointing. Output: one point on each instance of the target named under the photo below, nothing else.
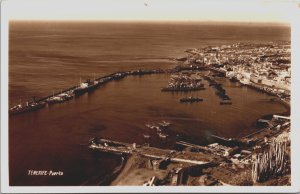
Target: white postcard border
(295, 130)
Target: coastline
(238, 171)
(134, 170)
(117, 171)
(125, 177)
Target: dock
(35, 104)
(193, 158)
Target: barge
(182, 89)
(190, 99)
(225, 102)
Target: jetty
(220, 91)
(115, 147)
(75, 91)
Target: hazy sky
(153, 10)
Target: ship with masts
(29, 106)
(86, 86)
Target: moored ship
(183, 89)
(62, 97)
(190, 99)
(86, 86)
(225, 102)
(30, 106)
(118, 76)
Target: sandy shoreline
(128, 164)
(136, 173)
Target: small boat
(164, 124)
(146, 136)
(181, 58)
(119, 76)
(151, 126)
(163, 136)
(158, 129)
(225, 102)
(233, 79)
(226, 97)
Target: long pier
(110, 77)
(199, 158)
(36, 104)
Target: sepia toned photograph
(149, 93)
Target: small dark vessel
(181, 58)
(164, 124)
(233, 79)
(225, 97)
(146, 136)
(162, 135)
(182, 89)
(119, 76)
(191, 99)
(225, 102)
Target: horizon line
(279, 23)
